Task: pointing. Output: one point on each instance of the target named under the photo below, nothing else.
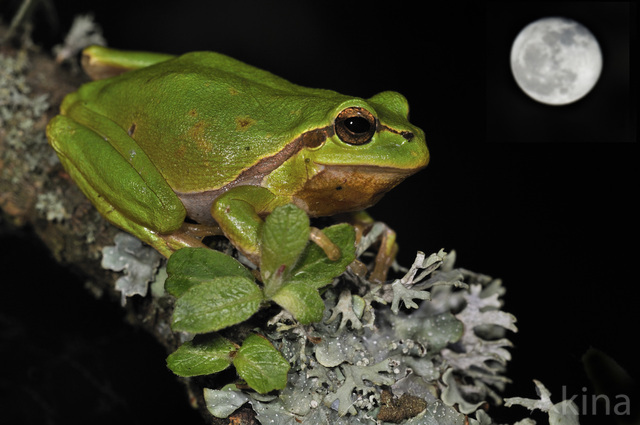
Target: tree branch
(36, 192)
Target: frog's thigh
(108, 211)
(137, 199)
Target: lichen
(51, 206)
(435, 361)
(20, 111)
(564, 412)
(84, 32)
(138, 262)
(345, 309)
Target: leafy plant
(256, 361)
(215, 291)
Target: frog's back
(206, 114)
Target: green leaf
(205, 355)
(284, 235)
(301, 300)
(315, 269)
(261, 365)
(191, 266)
(216, 304)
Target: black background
(542, 197)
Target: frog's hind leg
(166, 244)
(128, 191)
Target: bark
(36, 193)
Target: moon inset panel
(556, 60)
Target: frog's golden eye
(355, 125)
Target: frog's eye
(355, 126)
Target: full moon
(556, 60)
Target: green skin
(208, 137)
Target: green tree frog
(158, 139)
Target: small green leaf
(261, 365)
(191, 266)
(301, 300)
(284, 235)
(216, 304)
(315, 269)
(205, 355)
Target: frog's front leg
(376, 232)
(120, 179)
(239, 213)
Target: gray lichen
(445, 348)
(84, 32)
(562, 413)
(20, 110)
(138, 262)
(51, 206)
(15, 94)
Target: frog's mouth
(344, 188)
